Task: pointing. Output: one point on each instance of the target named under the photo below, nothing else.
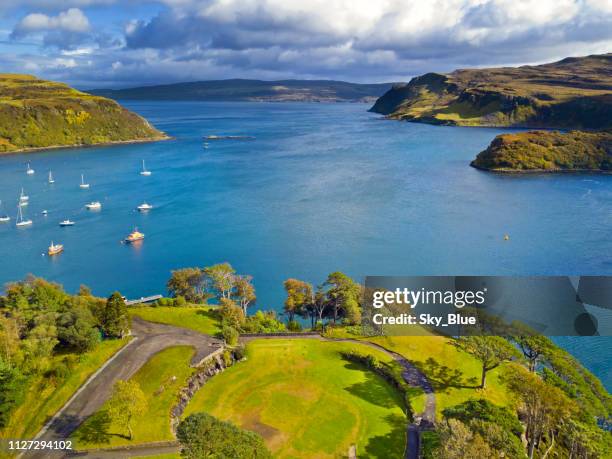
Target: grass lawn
(202, 319)
(45, 396)
(160, 379)
(306, 401)
(452, 372)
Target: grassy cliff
(572, 93)
(36, 113)
(548, 151)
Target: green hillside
(36, 113)
(253, 90)
(572, 93)
(549, 151)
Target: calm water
(322, 188)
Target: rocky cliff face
(36, 113)
(572, 93)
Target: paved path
(150, 338)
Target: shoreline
(541, 171)
(88, 145)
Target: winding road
(149, 339)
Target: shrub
(239, 352)
(230, 335)
(202, 435)
(294, 326)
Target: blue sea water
(323, 187)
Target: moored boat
(94, 205)
(29, 170)
(83, 185)
(51, 180)
(54, 249)
(4, 217)
(22, 222)
(134, 236)
(144, 207)
(66, 222)
(144, 170)
(23, 199)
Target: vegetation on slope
(36, 113)
(254, 90)
(572, 93)
(550, 151)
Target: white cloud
(71, 20)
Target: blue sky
(122, 43)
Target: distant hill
(548, 151)
(36, 113)
(253, 90)
(572, 93)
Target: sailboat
(144, 170)
(83, 185)
(51, 178)
(21, 222)
(4, 217)
(23, 199)
(29, 171)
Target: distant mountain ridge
(575, 92)
(36, 113)
(253, 90)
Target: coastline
(88, 145)
(541, 171)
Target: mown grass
(306, 401)
(45, 396)
(202, 319)
(160, 378)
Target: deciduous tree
(127, 402)
(490, 351)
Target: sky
(126, 43)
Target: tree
(11, 390)
(318, 304)
(230, 335)
(115, 319)
(84, 290)
(204, 436)
(545, 408)
(188, 283)
(9, 339)
(231, 314)
(38, 345)
(533, 347)
(299, 295)
(127, 402)
(76, 329)
(223, 279)
(244, 292)
(457, 441)
(491, 351)
(343, 295)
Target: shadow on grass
(373, 390)
(389, 445)
(442, 377)
(94, 431)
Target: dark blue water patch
(323, 187)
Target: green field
(201, 319)
(454, 374)
(160, 378)
(45, 396)
(306, 401)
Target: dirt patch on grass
(273, 437)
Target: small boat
(54, 249)
(144, 170)
(21, 222)
(4, 217)
(66, 222)
(29, 170)
(23, 199)
(83, 185)
(94, 205)
(144, 207)
(51, 178)
(44, 212)
(134, 236)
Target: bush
(294, 326)
(239, 352)
(230, 335)
(11, 391)
(180, 301)
(202, 435)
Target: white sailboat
(83, 185)
(4, 217)
(29, 171)
(23, 199)
(21, 222)
(144, 170)
(51, 178)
